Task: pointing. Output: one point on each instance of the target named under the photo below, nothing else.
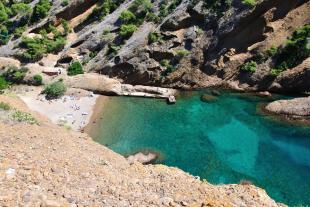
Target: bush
(164, 63)
(21, 116)
(19, 31)
(75, 68)
(295, 51)
(21, 8)
(249, 66)
(37, 80)
(38, 46)
(65, 26)
(154, 37)
(5, 106)
(3, 83)
(4, 35)
(15, 75)
(112, 49)
(272, 51)
(249, 2)
(275, 72)
(127, 17)
(127, 30)
(181, 53)
(55, 90)
(41, 10)
(65, 3)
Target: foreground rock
(142, 158)
(294, 108)
(47, 165)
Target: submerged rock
(208, 98)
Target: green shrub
(4, 35)
(21, 116)
(275, 72)
(38, 46)
(217, 7)
(5, 106)
(127, 17)
(249, 2)
(272, 51)
(75, 68)
(127, 30)
(169, 68)
(152, 17)
(154, 37)
(15, 75)
(181, 53)
(3, 13)
(3, 83)
(164, 63)
(19, 31)
(21, 8)
(66, 26)
(65, 3)
(113, 49)
(37, 80)
(295, 51)
(41, 10)
(55, 90)
(249, 66)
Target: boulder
(295, 108)
(208, 98)
(143, 158)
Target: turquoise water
(224, 142)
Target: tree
(41, 9)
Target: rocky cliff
(173, 43)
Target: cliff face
(46, 165)
(182, 44)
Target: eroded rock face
(204, 48)
(297, 107)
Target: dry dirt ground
(47, 165)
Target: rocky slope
(181, 44)
(46, 165)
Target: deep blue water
(224, 142)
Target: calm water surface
(224, 142)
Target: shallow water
(224, 142)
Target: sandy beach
(96, 112)
(73, 111)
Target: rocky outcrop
(105, 85)
(294, 108)
(47, 165)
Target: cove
(225, 141)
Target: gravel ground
(48, 165)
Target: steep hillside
(46, 165)
(172, 43)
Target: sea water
(224, 141)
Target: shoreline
(97, 110)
